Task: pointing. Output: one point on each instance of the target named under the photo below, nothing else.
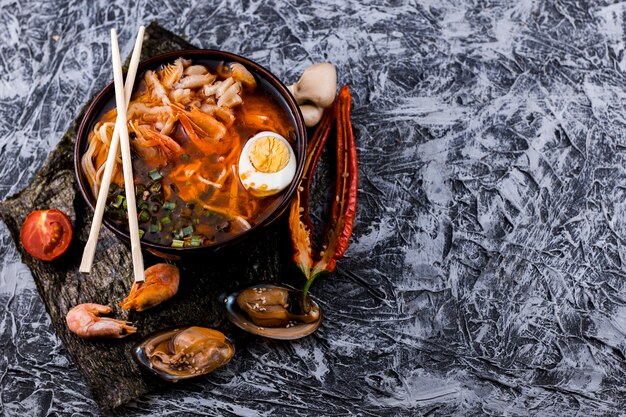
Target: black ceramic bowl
(265, 79)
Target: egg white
(254, 180)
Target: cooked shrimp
(150, 150)
(203, 123)
(196, 70)
(230, 97)
(84, 320)
(171, 73)
(157, 89)
(205, 131)
(161, 284)
(224, 86)
(241, 74)
(168, 126)
(154, 114)
(218, 88)
(168, 145)
(238, 72)
(181, 95)
(195, 81)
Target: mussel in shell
(276, 306)
(184, 352)
(273, 311)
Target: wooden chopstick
(96, 223)
(127, 163)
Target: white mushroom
(311, 114)
(316, 88)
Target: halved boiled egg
(267, 164)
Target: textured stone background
(486, 272)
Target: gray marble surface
(486, 274)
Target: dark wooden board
(107, 366)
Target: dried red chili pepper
(339, 227)
(299, 220)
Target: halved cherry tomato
(46, 234)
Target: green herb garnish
(119, 200)
(144, 216)
(155, 175)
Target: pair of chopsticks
(120, 137)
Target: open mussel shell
(290, 331)
(170, 354)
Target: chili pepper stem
(305, 292)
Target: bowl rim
(300, 132)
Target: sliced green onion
(144, 216)
(184, 157)
(177, 243)
(141, 233)
(155, 227)
(125, 204)
(174, 187)
(155, 175)
(196, 240)
(188, 183)
(118, 201)
(196, 221)
(139, 189)
(154, 207)
(188, 230)
(166, 220)
(169, 206)
(156, 187)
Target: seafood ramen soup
(211, 149)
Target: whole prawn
(161, 284)
(84, 320)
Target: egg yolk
(269, 154)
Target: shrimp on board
(84, 320)
(161, 284)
